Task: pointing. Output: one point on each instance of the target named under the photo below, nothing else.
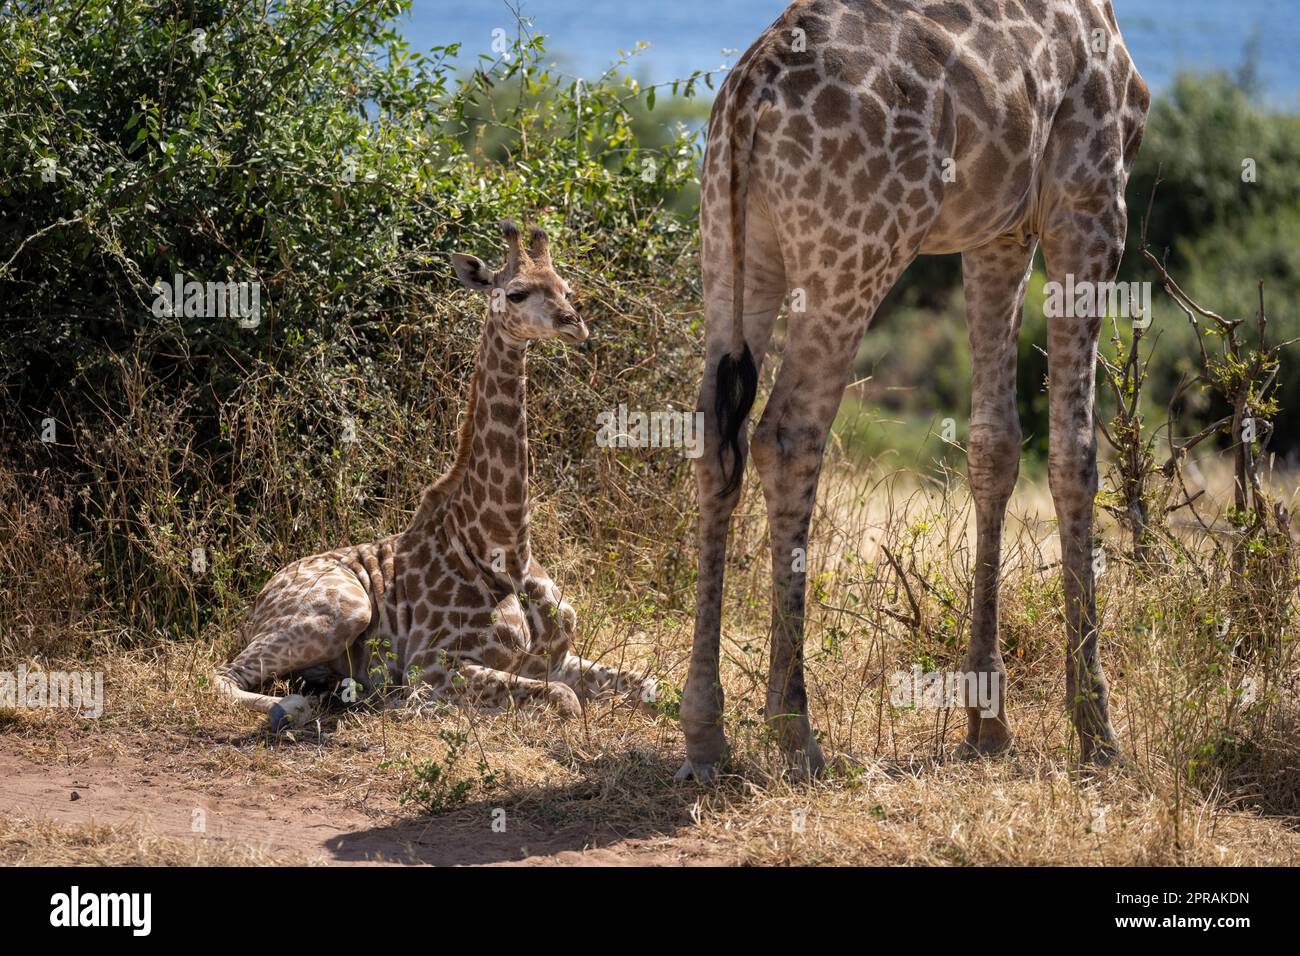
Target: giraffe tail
(736, 386)
(736, 383)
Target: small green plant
(669, 701)
(1241, 371)
(436, 786)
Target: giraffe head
(526, 298)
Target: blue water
(1164, 36)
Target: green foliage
(436, 786)
(1198, 136)
(234, 163)
(303, 145)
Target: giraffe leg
(553, 624)
(994, 277)
(593, 681)
(493, 689)
(282, 712)
(788, 446)
(306, 616)
(702, 700)
(1088, 247)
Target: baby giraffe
(457, 601)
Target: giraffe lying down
(456, 602)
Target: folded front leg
(494, 689)
(594, 681)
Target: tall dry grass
(100, 572)
(1209, 734)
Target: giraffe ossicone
(456, 605)
(852, 136)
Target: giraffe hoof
(806, 764)
(648, 698)
(703, 772)
(1103, 755)
(967, 750)
(565, 701)
(292, 711)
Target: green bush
(302, 145)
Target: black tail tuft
(736, 386)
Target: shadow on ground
(547, 824)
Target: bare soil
(289, 820)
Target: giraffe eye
(517, 296)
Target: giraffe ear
(471, 271)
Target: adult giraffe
(851, 137)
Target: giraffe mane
(436, 493)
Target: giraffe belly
(968, 222)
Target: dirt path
(287, 819)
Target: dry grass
(1209, 777)
(38, 842)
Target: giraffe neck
(482, 503)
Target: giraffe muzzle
(573, 330)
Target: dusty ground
(127, 801)
(73, 794)
(1209, 778)
(125, 788)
